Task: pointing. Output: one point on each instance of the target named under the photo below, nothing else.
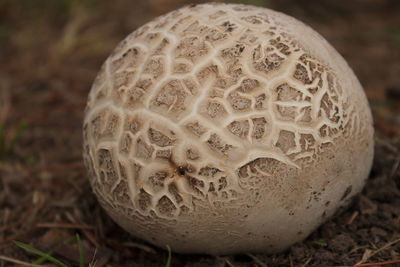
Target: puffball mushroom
(226, 128)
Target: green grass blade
(43, 259)
(39, 252)
(17, 135)
(169, 256)
(80, 247)
(320, 242)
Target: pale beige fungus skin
(223, 128)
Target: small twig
(65, 225)
(377, 263)
(8, 259)
(99, 224)
(34, 212)
(353, 216)
(70, 217)
(357, 248)
(75, 186)
(307, 262)
(230, 264)
(377, 251)
(139, 246)
(91, 238)
(291, 261)
(257, 260)
(88, 235)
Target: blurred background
(54, 48)
(50, 52)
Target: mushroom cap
(226, 128)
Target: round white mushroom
(224, 128)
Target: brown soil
(50, 54)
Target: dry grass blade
(78, 18)
(21, 263)
(369, 254)
(65, 225)
(291, 261)
(377, 263)
(93, 260)
(257, 260)
(44, 258)
(140, 246)
(40, 253)
(88, 235)
(230, 264)
(307, 262)
(352, 218)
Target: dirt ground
(50, 52)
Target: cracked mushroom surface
(225, 128)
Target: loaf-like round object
(224, 128)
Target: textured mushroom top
(221, 107)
